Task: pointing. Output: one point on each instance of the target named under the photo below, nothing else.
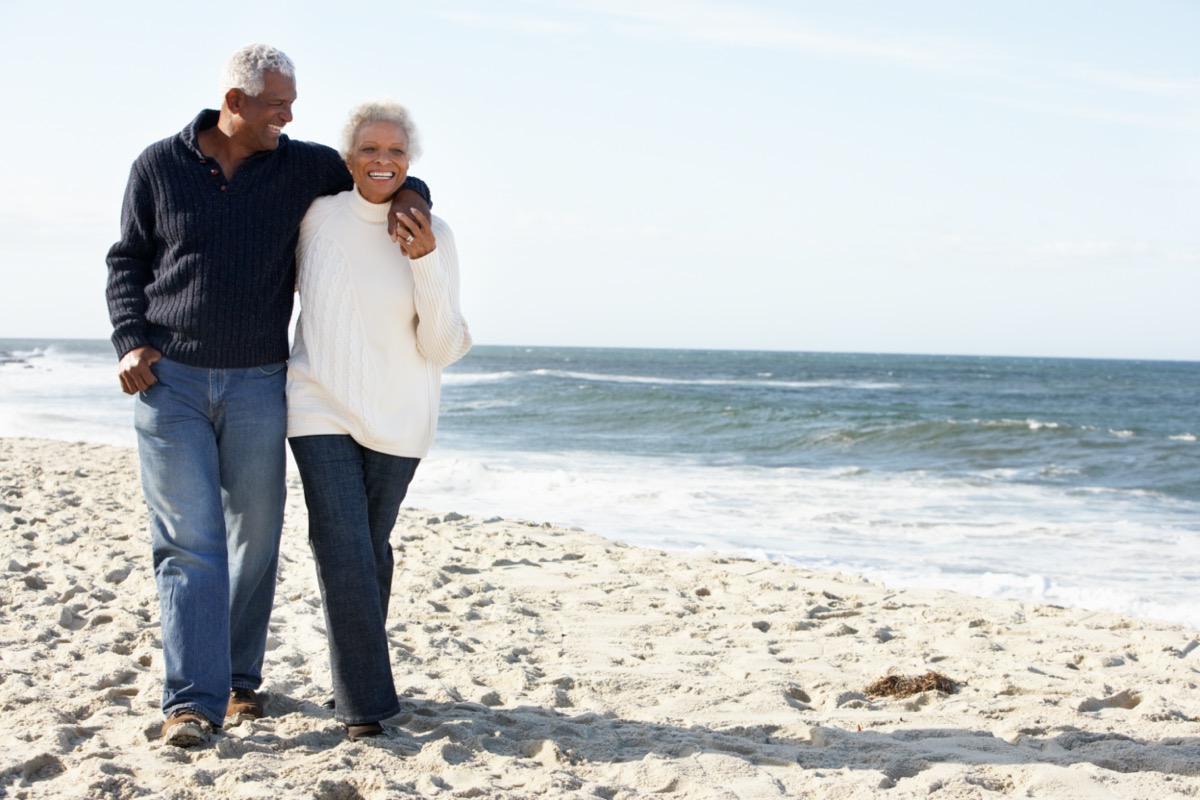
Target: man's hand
(134, 370)
(402, 203)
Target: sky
(996, 177)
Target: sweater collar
(207, 119)
(371, 212)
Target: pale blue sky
(987, 177)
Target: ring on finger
(409, 240)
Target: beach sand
(536, 661)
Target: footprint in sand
(116, 678)
(797, 698)
(41, 768)
(1126, 699)
(118, 574)
(69, 618)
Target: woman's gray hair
(380, 111)
(244, 70)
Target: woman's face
(379, 160)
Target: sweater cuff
(428, 265)
(125, 341)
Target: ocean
(1061, 481)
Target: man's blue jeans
(213, 462)
(353, 495)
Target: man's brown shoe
(244, 704)
(186, 727)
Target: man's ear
(234, 99)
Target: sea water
(1072, 482)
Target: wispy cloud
(973, 69)
(578, 227)
(1098, 251)
(1184, 256)
(735, 25)
(1149, 84)
(743, 25)
(514, 23)
(1063, 102)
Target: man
(200, 289)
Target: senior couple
(219, 226)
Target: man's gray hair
(244, 70)
(380, 111)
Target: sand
(536, 661)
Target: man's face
(263, 117)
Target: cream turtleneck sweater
(375, 329)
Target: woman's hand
(414, 234)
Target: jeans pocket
(272, 369)
(164, 376)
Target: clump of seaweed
(908, 685)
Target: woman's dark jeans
(353, 495)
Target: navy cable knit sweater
(205, 267)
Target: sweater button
(212, 171)
(202, 161)
(222, 187)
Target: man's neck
(220, 144)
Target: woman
(379, 319)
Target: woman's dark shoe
(356, 732)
